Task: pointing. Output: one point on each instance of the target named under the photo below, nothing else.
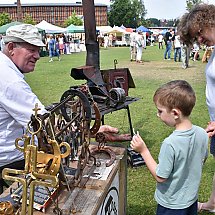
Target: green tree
(73, 19)
(28, 19)
(4, 18)
(191, 3)
(146, 23)
(154, 22)
(139, 12)
(130, 13)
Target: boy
(181, 157)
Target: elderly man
(133, 48)
(19, 56)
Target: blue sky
(168, 9)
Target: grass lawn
(50, 80)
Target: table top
(84, 200)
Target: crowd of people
(181, 52)
(60, 44)
(106, 40)
(137, 44)
(56, 45)
(171, 41)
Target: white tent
(117, 30)
(49, 28)
(104, 29)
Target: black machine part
(134, 159)
(117, 96)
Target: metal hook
(115, 62)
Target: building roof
(49, 4)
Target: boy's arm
(139, 145)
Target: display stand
(104, 192)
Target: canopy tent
(75, 29)
(163, 31)
(129, 30)
(156, 31)
(143, 29)
(49, 28)
(104, 29)
(123, 27)
(4, 28)
(117, 30)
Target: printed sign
(110, 205)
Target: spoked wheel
(76, 111)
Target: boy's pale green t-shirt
(180, 162)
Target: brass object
(37, 165)
(6, 208)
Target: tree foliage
(130, 13)
(73, 19)
(28, 19)
(192, 3)
(5, 18)
(154, 22)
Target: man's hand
(210, 129)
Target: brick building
(55, 13)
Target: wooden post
(19, 11)
(91, 42)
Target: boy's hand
(210, 129)
(137, 143)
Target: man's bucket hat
(23, 33)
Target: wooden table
(104, 194)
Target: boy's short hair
(176, 94)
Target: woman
(199, 26)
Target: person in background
(185, 55)
(152, 40)
(110, 40)
(67, 44)
(51, 47)
(19, 56)
(168, 43)
(139, 45)
(57, 47)
(0, 42)
(160, 41)
(199, 26)
(54, 48)
(185, 148)
(133, 48)
(106, 40)
(61, 43)
(177, 48)
(195, 52)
